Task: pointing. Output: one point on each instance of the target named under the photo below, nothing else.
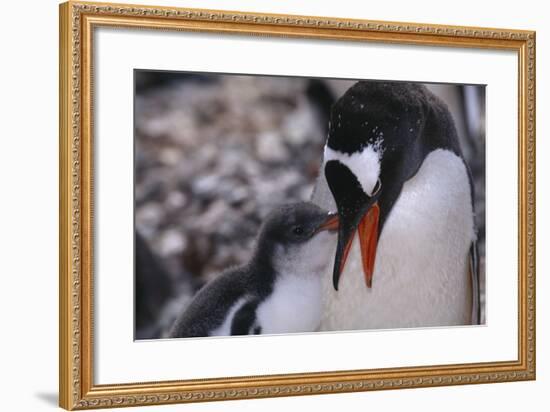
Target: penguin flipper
(244, 319)
(474, 277)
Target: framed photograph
(257, 205)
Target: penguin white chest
(421, 272)
(295, 305)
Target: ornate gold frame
(77, 22)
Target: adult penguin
(394, 170)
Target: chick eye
(298, 230)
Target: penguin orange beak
(331, 223)
(368, 240)
(358, 212)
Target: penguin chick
(278, 290)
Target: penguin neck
(436, 132)
(262, 264)
(394, 172)
(273, 259)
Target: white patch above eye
(365, 165)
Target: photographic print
(275, 205)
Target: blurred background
(215, 153)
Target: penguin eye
(298, 230)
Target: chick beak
(331, 223)
(357, 212)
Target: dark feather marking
(218, 296)
(244, 319)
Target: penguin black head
(388, 117)
(293, 224)
(378, 136)
(296, 238)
